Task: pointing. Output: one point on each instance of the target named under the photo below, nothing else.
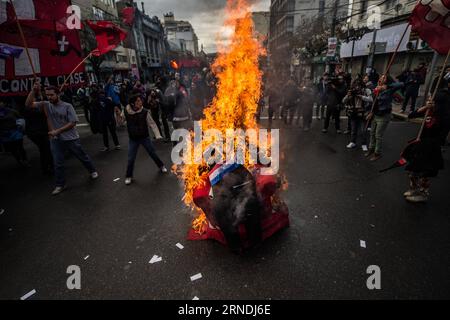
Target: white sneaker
(365, 148)
(94, 175)
(58, 190)
(351, 145)
(164, 170)
(128, 181)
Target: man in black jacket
(336, 91)
(138, 122)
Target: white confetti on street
(196, 277)
(2, 211)
(87, 257)
(362, 243)
(29, 294)
(180, 246)
(155, 259)
(116, 180)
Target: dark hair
(133, 98)
(52, 88)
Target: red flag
(54, 49)
(128, 15)
(432, 22)
(108, 36)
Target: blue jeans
(59, 147)
(133, 148)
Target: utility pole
(332, 66)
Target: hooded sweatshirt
(138, 123)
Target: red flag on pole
(431, 20)
(108, 36)
(128, 15)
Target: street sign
(332, 47)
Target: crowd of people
(367, 103)
(48, 118)
(175, 101)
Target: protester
(358, 102)
(307, 94)
(63, 136)
(197, 101)
(425, 157)
(381, 115)
(275, 101)
(336, 90)
(139, 120)
(177, 106)
(322, 96)
(105, 108)
(290, 105)
(12, 133)
(412, 86)
(37, 128)
(112, 91)
(154, 102)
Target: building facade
(392, 19)
(147, 37)
(181, 34)
(286, 20)
(118, 62)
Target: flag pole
(73, 71)
(23, 39)
(441, 75)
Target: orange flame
(238, 92)
(174, 65)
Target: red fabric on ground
(271, 222)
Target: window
(99, 14)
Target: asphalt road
(336, 199)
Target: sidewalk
(397, 114)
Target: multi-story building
(118, 62)
(392, 20)
(148, 39)
(181, 33)
(286, 19)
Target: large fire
(238, 93)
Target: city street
(337, 199)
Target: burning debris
(236, 203)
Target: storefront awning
(389, 36)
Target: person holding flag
(423, 155)
(425, 158)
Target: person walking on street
(139, 120)
(381, 115)
(37, 128)
(62, 121)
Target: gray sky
(206, 16)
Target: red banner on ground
(55, 50)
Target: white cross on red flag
(431, 20)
